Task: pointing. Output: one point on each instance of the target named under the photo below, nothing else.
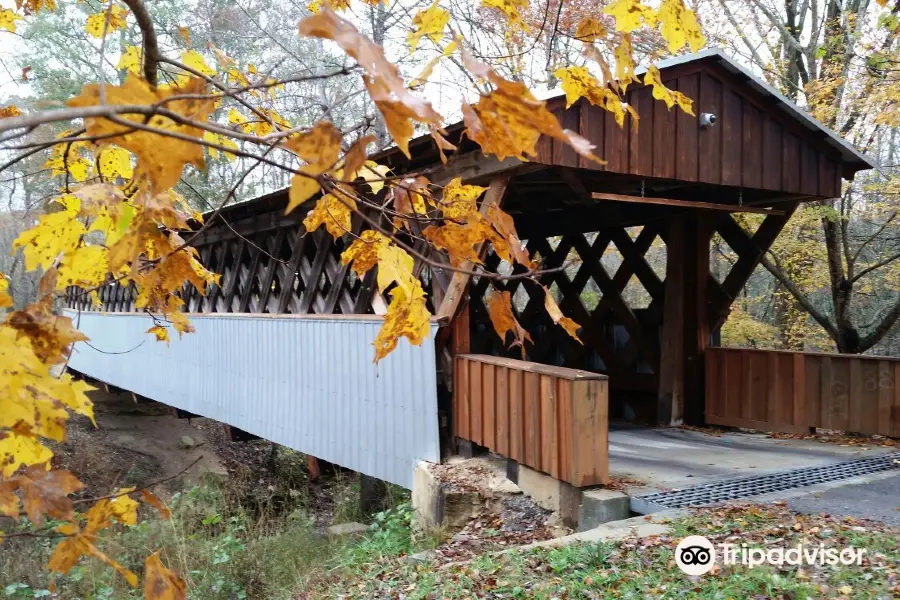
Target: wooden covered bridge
(282, 345)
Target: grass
(222, 548)
(227, 550)
(646, 568)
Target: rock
(420, 557)
(187, 442)
(347, 529)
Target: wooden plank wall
(793, 391)
(551, 419)
(753, 144)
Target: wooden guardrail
(793, 391)
(551, 419)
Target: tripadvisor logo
(696, 555)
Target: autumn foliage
(119, 217)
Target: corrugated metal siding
(309, 384)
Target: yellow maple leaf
(590, 29)
(51, 335)
(670, 97)
(5, 298)
(160, 583)
(462, 241)
(407, 316)
(625, 61)
(236, 118)
(556, 315)
(8, 20)
(332, 212)
(112, 19)
(629, 14)
(131, 59)
(319, 147)
(512, 10)
(423, 76)
(73, 394)
(19, 449)
(9, 111)
(195, 60)
(499, 307)
(374, 175)
(459, 201)
(221, 140)
(509, 120)
(81, 542)
(364, 251)
(503, 224)
(55, 234)
(115, 162)
(45, 493)
(150, 498)
(303, 187)
(86, 267)
(429, 22)
(123, 507)
(161, 333)
(679, 26)
(31, 7)
(577, 82)
(67, 159)
(383, 81)
(160, 158)
(395, 265)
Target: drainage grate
(745, 487)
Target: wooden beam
(695, 317)
(750, 254)
(686, 204)
(572, 180)
(460, 282)
(471, 166)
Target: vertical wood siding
(752, 145)
(793, 391)
(551, 419)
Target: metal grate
(745, 487)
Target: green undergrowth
(223, 550)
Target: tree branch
(800, 297)
(152, 55)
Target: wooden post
(696, 315)
(670, 403)
(312, 465)
(459, 344)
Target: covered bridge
(282, 346)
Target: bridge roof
(762, 146)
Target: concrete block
(634, 527)
(437, 506)
(427, 498)
(543, 489)
(599, 506)
(551, 494)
